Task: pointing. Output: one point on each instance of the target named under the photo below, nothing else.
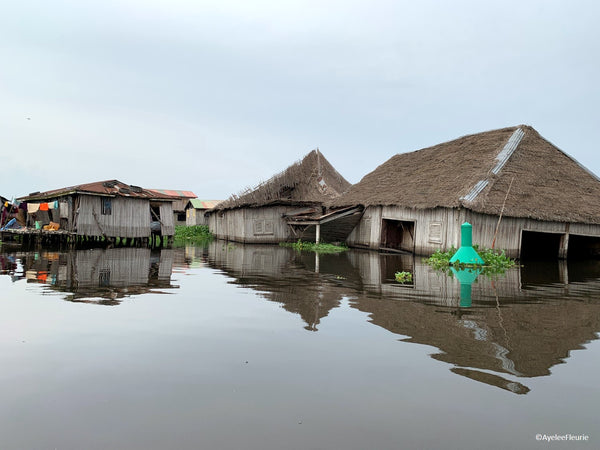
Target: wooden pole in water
(318, 234)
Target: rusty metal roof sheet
(175, 193)
(204, 204)
(106, 188)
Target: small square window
(106, 207)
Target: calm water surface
(258, 347)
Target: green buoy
(466, 254)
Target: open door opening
(155, 225)
(537, 245)
(398, 235)
(583, 247)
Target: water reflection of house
(101, 275)
(417, 201)
(518, 326)
(286, 207)
(278, 275)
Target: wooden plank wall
(166, 217)
(439, 228)
(434, 228)
(510, 230)
(130, 217)
(195, 217)
(251, 225)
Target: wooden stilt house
(105, 209)
(521, 194)
(286, 207)
(180, 202)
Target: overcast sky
(216, 96)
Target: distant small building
(108, 209)
(196, 209)
(180, 201)
(521, 194)
(286, 207)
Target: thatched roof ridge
(475, 172)
(310, 180)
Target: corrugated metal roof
(204, 204)
(504, 155)
(508, 150)
(175, 193)
(108, 187)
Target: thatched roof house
(310, 180)
(259, 214)
(419, 199)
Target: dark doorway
(155, 223)
(582, 247)
(536, 245)
(398, 235)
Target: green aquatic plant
(196, 234)
(404, 277)
(495, 261)
(321, 247)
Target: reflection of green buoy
(466, 254)
(465, 277)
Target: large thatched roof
(311, 180)
(475, 172)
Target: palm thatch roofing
(312, 180)
(477, 171)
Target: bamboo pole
(501, 213)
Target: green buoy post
(466, 254)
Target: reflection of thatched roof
(278, 276)
(525, 339)
(311, 180)
(475, 172)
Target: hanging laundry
(33, 207)
(44, 207)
